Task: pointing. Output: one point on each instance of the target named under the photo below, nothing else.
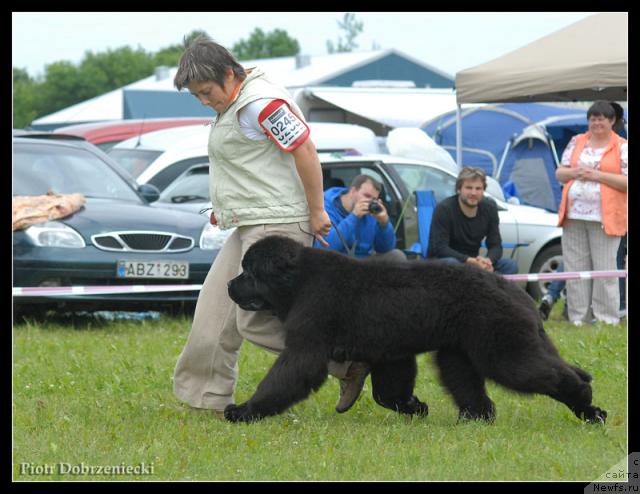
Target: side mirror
(150, 192)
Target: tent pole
(459, 136)
(502, 160)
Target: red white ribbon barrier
(58, 291)
(571, 275)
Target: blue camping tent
(517, 143)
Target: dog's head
(269, 269)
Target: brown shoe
(351, 385)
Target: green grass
(101, 394)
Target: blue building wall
(394, 68)
(162, 104)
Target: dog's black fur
(333, 307)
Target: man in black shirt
(460, 222)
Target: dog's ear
(277, 260)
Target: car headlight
(54, 234)
(213, 237)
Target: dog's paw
(420, 408)
(486, 414)
(413, 407)
(239, 413)
(593, 415)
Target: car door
(410, 177)
(341, 174)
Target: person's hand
(320, 225)
(485, 263)
(361, 208)
(383, 216)
(481, 262)
(473, 261)
(588, 174)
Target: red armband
(282, 126)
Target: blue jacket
(366, 232)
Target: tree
(24, 94)
(260, 45)
(65, 84)
(170, 56)
(115, 68)
(352, 28)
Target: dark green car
(116, 238)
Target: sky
(447, 41)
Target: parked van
(160, 157)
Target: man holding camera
(361, 223)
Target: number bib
(282, 126)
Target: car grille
(142, 242)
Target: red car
(110, 132)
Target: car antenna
(141, 129)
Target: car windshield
(443, 185)
(191, 187)
(135, 161)
(40, 168)
(419, 177)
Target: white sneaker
(613, 322)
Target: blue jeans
(555, 287)
(502, 266)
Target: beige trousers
(586, 247)
(206, 372)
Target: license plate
(153, 269)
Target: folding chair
(426, 204)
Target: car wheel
(547, 261)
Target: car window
(38, 169)
(106, 146)
(135, 161)
(167, 175)
(192, 186)
(342, 176)
(418, 177)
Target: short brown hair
(471, 173)
(359, 180)
(205, 60)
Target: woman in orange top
(593, 214)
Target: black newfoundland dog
(334, 307)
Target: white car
(159, 157)
(532, 230)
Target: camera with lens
(374, 207)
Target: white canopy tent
(585, 61)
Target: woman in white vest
(265, 178)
